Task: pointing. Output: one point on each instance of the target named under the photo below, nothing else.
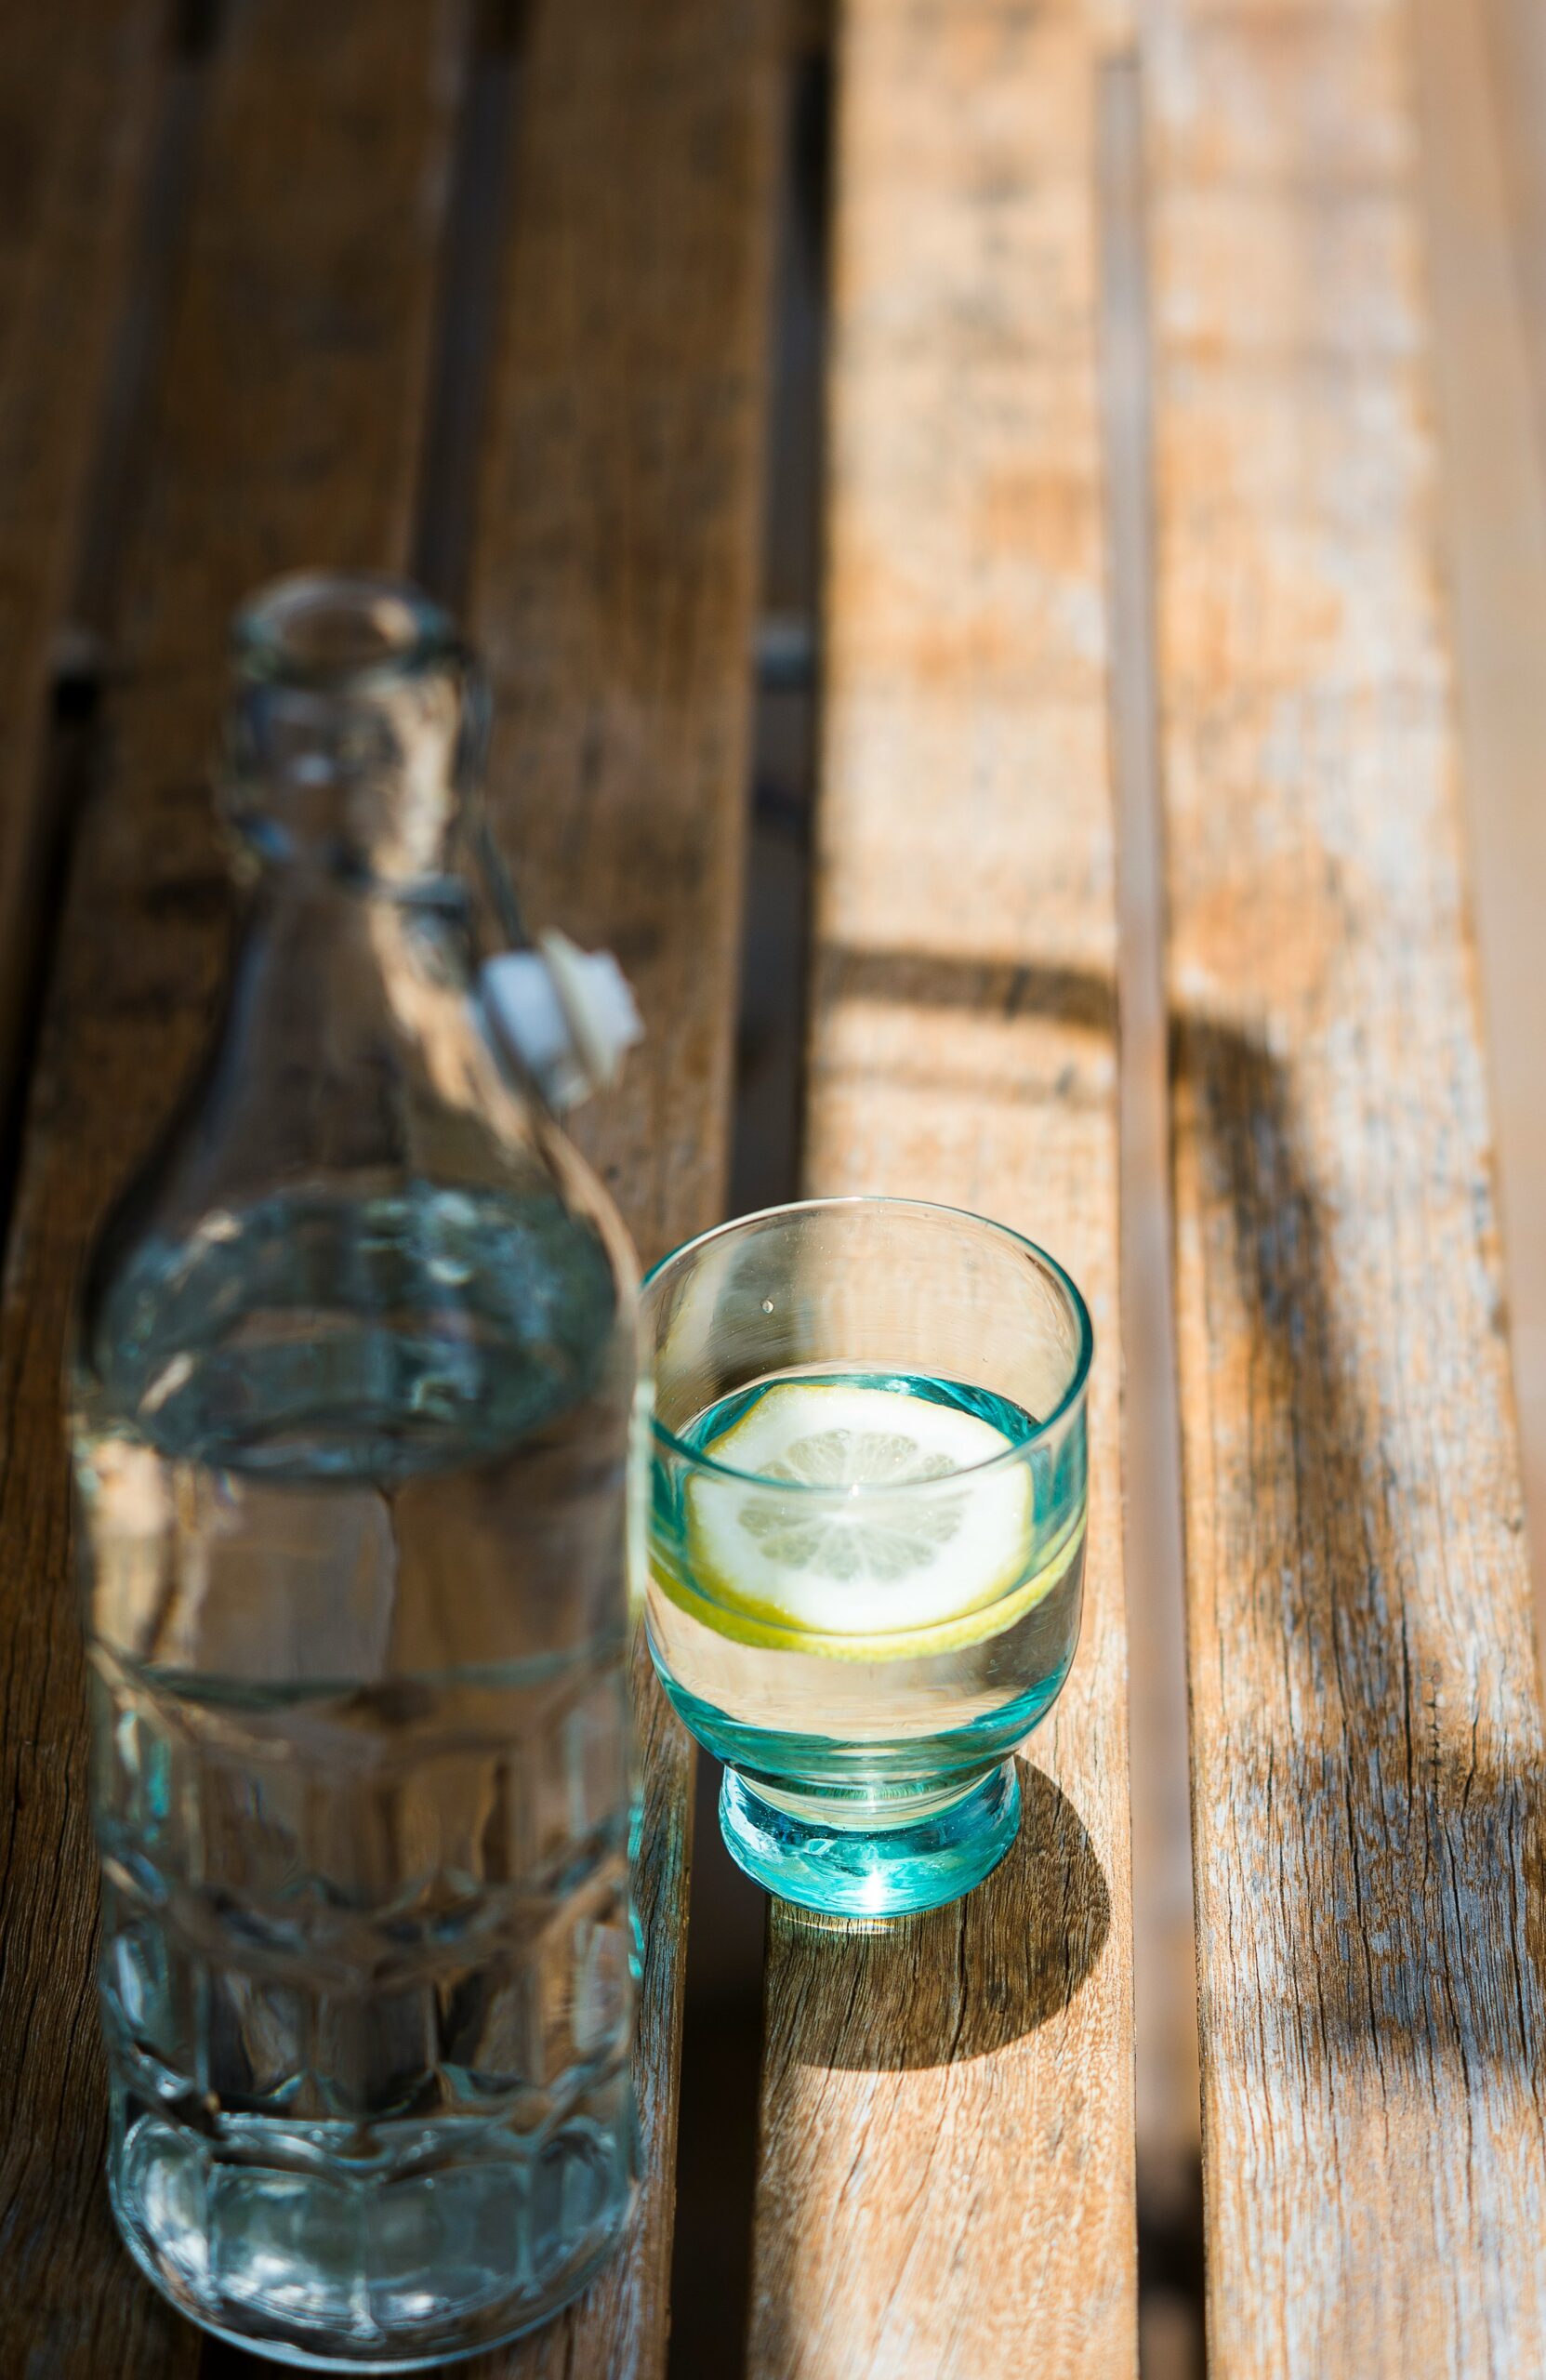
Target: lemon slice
(867, 1564)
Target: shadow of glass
(959, 1982)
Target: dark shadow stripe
(993, 987)
(467, 308)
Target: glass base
(882, 1863)
(298, 2267)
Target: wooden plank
(947, 2111)
(1486, 241)
(1514, 36)
(1367, 1730)
(75, 119)
(287, 428)
(612, 590)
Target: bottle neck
(354, 742)
(353, 1047)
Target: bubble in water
(767, 1305)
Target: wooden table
(484, 291)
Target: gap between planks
(1165, 1984)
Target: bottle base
(882, 1867)
(326, 2276)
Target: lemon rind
(740, 1625)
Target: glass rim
(416, 634)
(1016, 1452)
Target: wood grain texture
(946, 2183)
(1512, 33)
(286, 429)
(614, 586)
(76, 122)
(1366, 1732)
(1486, 244)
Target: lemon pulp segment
(884, 1562)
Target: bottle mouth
(331, 631)
(356, 731)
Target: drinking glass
(867, 1534)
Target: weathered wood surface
(287, 428)
(1483, 114)
(1366, 1732)
(1509, 38)
(75, 123)
(948, 2124)
(613, 587)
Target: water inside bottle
(351, 1473)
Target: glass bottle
(350, 1427)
